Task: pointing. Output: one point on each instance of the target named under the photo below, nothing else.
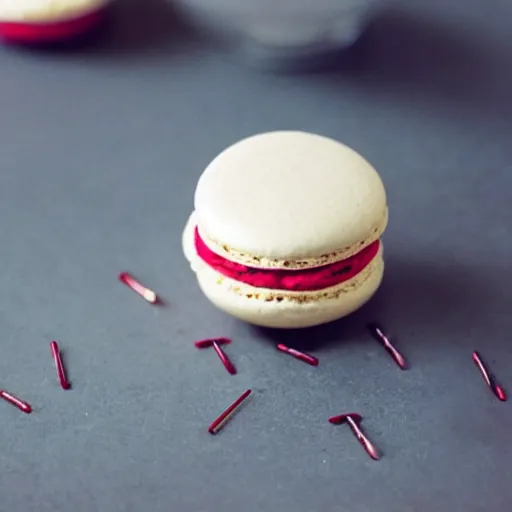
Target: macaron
(286, 230)
(49, 21)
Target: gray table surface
(100, 150)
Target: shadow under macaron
(418, 299)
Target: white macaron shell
(47, 11)
(289, 195)
(288, 315)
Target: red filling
(294, 280)
(22, 32)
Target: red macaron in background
(49, 21)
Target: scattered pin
(208, 342)
(61, 372)
(313, 361)
(219, 423)
(489, 378)
(224, 358)
(130, 281)
(353, 420)
(381, 337)
(216, 343)
(20, 404)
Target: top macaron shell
(47, 11)
(289, 195)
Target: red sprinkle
(489, 378)
(132, 283)
(217, 425)
(208, 342)
(380, 336)
(365, 442)
(313, 361)
(224, 358)
(500, 393)
(353, 420)
(61, 372)
(342, 418)
(20, 404)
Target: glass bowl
(282, 31)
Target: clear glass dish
(282, 31)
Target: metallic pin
(224, 358)
(380, 336)
(61, 372)
(353, 419)
(20, 404)
(313, 361)
(208, 342)
(489, 378)
(144, 292)
(216, 343)
(218, 424)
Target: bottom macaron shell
(288, 314)
(33, 33)
(249, 304)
